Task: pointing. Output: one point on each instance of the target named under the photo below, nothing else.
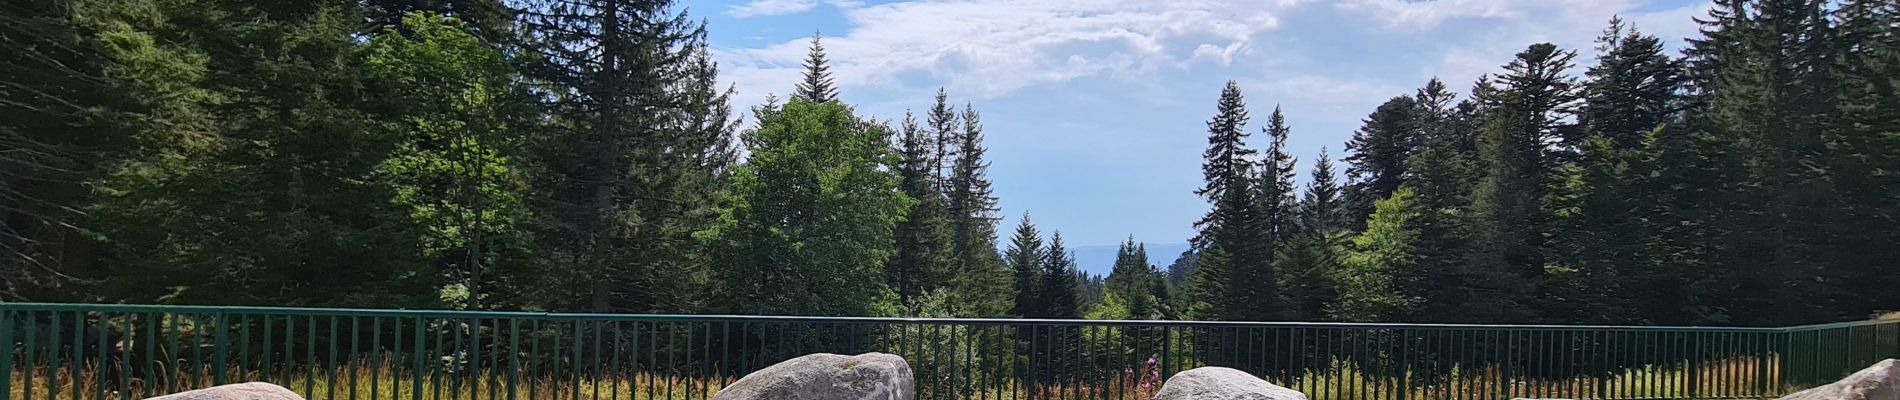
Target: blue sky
(1095, 110)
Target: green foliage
(1059, 296)
(1376, 163)
(1133, 284)
(1370, 285)
(255, 182)
(817, 86)
(1236, 272)
(456, 109)
(811, 216)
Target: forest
(580, 155)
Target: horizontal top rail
(12, 306)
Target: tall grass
(384, 379)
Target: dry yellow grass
(385, 380)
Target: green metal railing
(77, 351)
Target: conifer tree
(817, 86)
(1279, 199)
(1060, 295)
(1509, 222)
(1236, 230)
(1632, 89)
(1305, 264)
(1026, 257)
(923, 238)
(1320, 210)
(1132, 281)
(1377, 152)
(981, 281)
(634, 167)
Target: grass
(386, 380)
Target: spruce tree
(923, 238)
(1632, 89)
(1320, 211)
(1305, 263)
(1060, 294)
(628, 179)
(1132, 281)
(980, 281)
(817, 86)
(1026, 257)
(1235, 231)
(1867, 146)
(1517, 165)
(1279, 199)
(1377, 152)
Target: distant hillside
(1099, 259)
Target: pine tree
(1306, 263)
(1377, 153)
(817, 87)
(812, 217)
(1026, 257)
(923, 238)
(1279, 199)
(1509, 222)
(980, 283)
(1320, 211)
(1633, 88)
(1132, 282)
(48, 149)
(628, 179)
(1060, 293)
(1236, 230)
(1867, 146)
(1602, 269)
(293, 172)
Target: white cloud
(988, 48)
(758, 8)
(1510, 25)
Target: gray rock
(1217, 383)
(1878, 382)
(237, 391)
(869, 376)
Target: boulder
(237, 391)
(1217, 383)
(1878, 382)
(869, 376)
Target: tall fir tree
(1320, 209)
(1632, 89)
(628, 182)
(923, 249)
(1234, 232)
(1306, 262)
(1517, 165)
(1026, 257)
(1279, 198)
(1377, 152)
(817, 86)
(1060, 294)
(980, 285)
(1132, 282)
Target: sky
(1095, 110)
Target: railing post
(6, 355)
